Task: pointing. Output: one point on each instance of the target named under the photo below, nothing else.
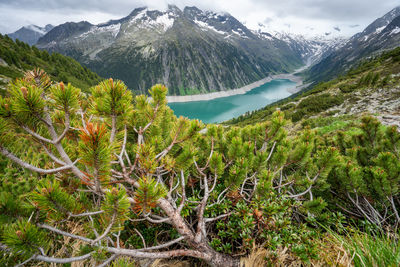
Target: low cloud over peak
(346, 16)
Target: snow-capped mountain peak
(31, 33)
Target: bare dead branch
(86, 213)
(55, 230)
(30, 167)
(183, 193)
(170, 243)
(36, 135)
(301, 194)
(106, 262)
(52, 156)
(105, 231)
(272, 150)
(63, 260)
(160, 255)
(201, 228)
(113, 127)
(207, 220)
(141, 237)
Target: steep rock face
(30, 34)
(191, 51)
(382, 34)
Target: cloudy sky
(337, 17)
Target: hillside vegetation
(109, 178)
(18, 57)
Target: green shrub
(347, 88)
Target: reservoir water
(225, 108)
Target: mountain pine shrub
(139, 182)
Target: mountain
(190, 50)
(382, 34)
(30, 34)
(17, 57)
(311, 49)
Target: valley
(222, 106)
(225, 108)
(180, 136)
(191, 51)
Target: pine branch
(113, 127)
(64, 156)
(46, 140)
(66, 129)
(201, 227)
(86, 214)
(55, 230)
(207, 220)
(106, 262)
(26, 261)
(301, 194)
(36, 135)
(52, 156)
(30, 167)
(160, 255)
(183, 193)
(170, 243)
(107, 230)
(158, 220)
(63, 260)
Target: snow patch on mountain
(311, 49)
(395, 31)
(143, 20)
(167, 20)
(139, 16)
(205, 26)
(113, 29)
(378, 30)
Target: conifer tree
(369, 174)
(112, 160)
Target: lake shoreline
(239, 91)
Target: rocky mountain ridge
(382, 34)
(30, 34)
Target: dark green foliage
(21, 57)
(53, 200)
(347, 88)
(259, 223)
(25, 238)
(316, 104)
(160, 178)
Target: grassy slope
(20, 57)
(335, 104)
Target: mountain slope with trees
(30, 34)
(17, 57)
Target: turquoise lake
(225, 108)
